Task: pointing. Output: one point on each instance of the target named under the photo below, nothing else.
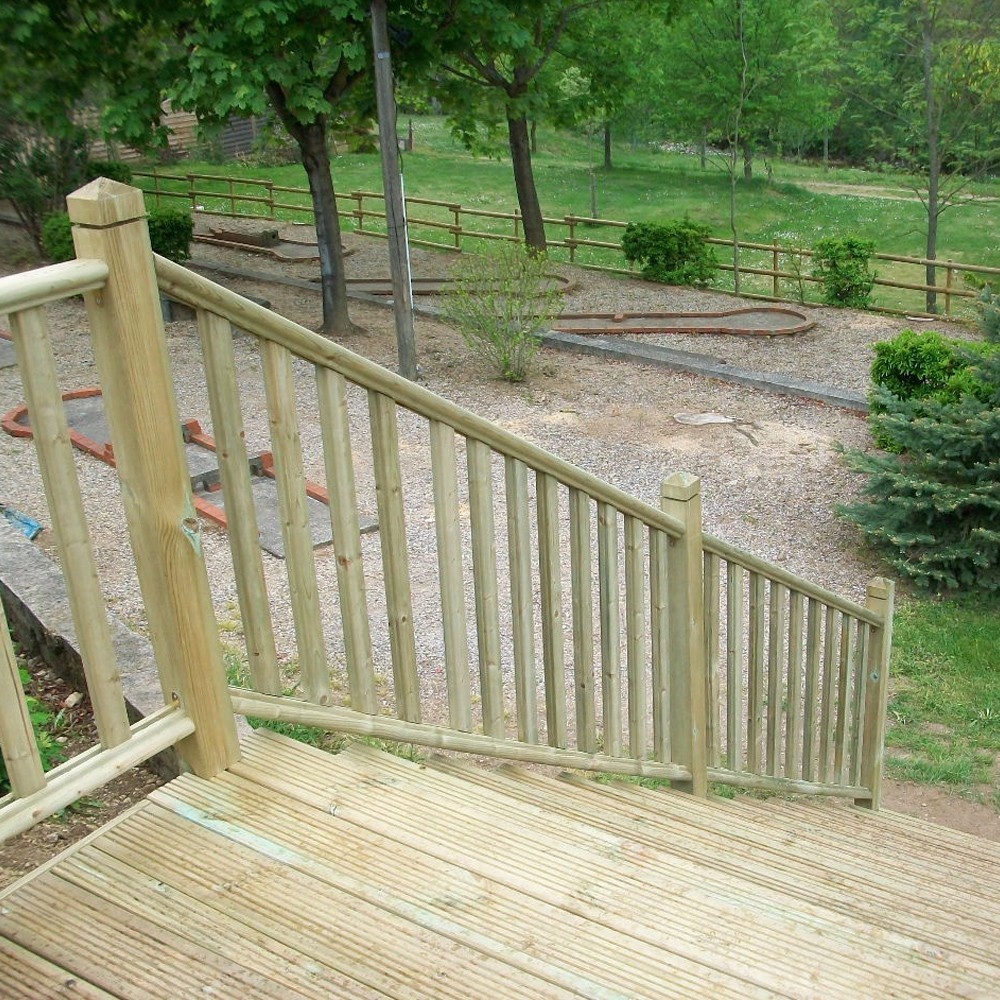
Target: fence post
(517, 223)
(130, 349)
(775, 284)
(457, 232)
(680, 496)
(948, 278)
(571, 223)
(191, 192)
(880, 598)
(359, 212)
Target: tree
(934, 510)
(303, 58)
(503, 48)
(744, 71)
(54, 76)
(924, 75)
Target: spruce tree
(933, 511)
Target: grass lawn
(944, 714)
(648, 184)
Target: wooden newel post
(130, 349)
(680, 495)
(880, 598)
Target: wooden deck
(363, 875)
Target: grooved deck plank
(298, 874)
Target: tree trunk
(933, 163)
(311, 140)
(524, 182)
(534, 138)
(703, 148)
(747, 161)
(607, 145)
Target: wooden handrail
(49, 284)
(201, 293)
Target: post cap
(104, 202)
(680, 486)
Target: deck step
(297, 873)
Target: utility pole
(392, 184)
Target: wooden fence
(768, 270)
(603, 652)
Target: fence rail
(580, 626)
(768, 270)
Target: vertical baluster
(521, 599)
(811, 742)
(581, 572)
(713, 628)
(610, 615)
(331, 391)
(234, 467)
(279, 385)
(36, 364)
(793, 724)
(735, 654)
(550, 582)
(858, 701)
(659, 612)
(827, 699)
(395, 558)
(845, 669)
(484, 575)
(775, 676)
(880, 598)
(17, 735)
(755, 678)
(448, 528)
(635, 636)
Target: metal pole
(395, 210)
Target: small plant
(57, 237)
(925, 365)
(114, 170)
(43, 722)
(170, 233)
(843, 265)
(501, 303)
(674, 253)
(933, 511)
(988, 308)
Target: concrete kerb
(617, 349)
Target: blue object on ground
(28, 526)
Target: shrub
(674, 253)
(114, 170)
(170, 232)
(934, 511)
(57, 237)
(42, 722)
(501, 303)
(926, 365)
(842, 263)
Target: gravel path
(770, 479)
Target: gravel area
(770, 478)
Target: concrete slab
(37, 606)
(8, 356)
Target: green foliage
(988, 310)
(934, 511)
(57, 237)
(674, 253)
(842, 263)
(925, 365)
(114, 170)
(170, 233)
(501, 303)
(43, 722)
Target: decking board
(363, 875)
